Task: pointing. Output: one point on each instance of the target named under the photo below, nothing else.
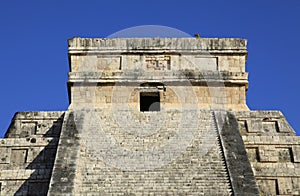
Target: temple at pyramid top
(214, 68)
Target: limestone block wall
(28, 151)
(273, 150)
(171, 97)
(213, 70)
(155, 61)
(37, 124)
(206, 54)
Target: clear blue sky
(33, 50)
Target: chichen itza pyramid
(152, 116)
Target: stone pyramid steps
(182, 155)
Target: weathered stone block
(268, 186)
(18, 157)
(270, 126)
(285, 186)
(254, 125)
(28, 128)
(268, 154)
(253, 154)
(284, 154)
(5, 154)
(206, 63)
(296, 153)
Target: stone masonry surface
(203, 139)
(28, 152)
